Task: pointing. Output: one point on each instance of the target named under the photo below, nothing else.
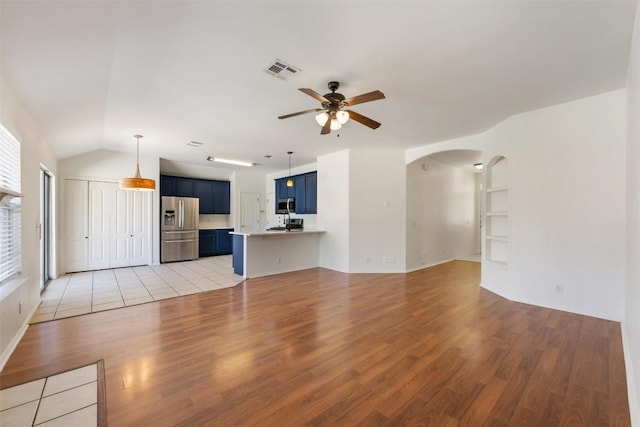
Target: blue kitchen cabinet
(167, 185)
(221, 197)
(224, 241)
(207, 243)
(311, 193)
(184, 187)
(299, 190)
(203, 189)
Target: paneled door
(77, 225)
(130, 241)
(105, 227)
(250, 212)
(100, 212)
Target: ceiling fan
(335, 112)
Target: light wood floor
(318, 347)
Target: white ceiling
(92, 74)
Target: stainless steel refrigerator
(179, 228)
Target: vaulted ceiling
(92, 74)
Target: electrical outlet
(559, 289)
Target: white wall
(34, 151)
(441, 213)
(110, 166)
(631, 322)
(377, 211)
(333, 210)
(567, 213)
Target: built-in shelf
(497, 212)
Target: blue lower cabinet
(207, 243)
(224, 242)
(238, 254)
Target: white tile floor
(66, 399)
(91, 291)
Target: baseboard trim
(4, 358)
(632, 393)
(433, 264)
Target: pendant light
(137, 183)
(289, 180)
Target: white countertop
(276, 233)
(214, 228)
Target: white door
(100, 213)
(121, 237)
(249, 212)
(76, 224)
(130, 241)
(139, 225)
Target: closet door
(139, 225)
(77, 225)
(120, 244)
(101, 196)
(130, 240)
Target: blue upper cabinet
(215, 196)
(304, 190)
(311, 193)
(167, 185)
(203, 190)
(184, 187)
(221, 197)
(299, 189)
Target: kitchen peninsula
(263, 253)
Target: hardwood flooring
(319, 347)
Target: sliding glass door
(44, 227)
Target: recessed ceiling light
(268, 156)
(195, 144)
(230, 161)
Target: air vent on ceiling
(282, 70)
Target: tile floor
(91, 291)
(66, 399)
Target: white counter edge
(276, 233)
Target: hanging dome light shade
(137, 183)
(289, 180)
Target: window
(10, 251)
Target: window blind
(10, 250)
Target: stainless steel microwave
(286, 206)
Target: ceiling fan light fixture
(321, 118)
(342, 116)
(137, 183)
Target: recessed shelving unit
(497, 211)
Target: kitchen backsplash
(215, 221)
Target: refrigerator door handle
(181, 204)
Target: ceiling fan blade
(365, 97)
(327, 127)
(313, 110)
(363, 119)
(312, 93)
